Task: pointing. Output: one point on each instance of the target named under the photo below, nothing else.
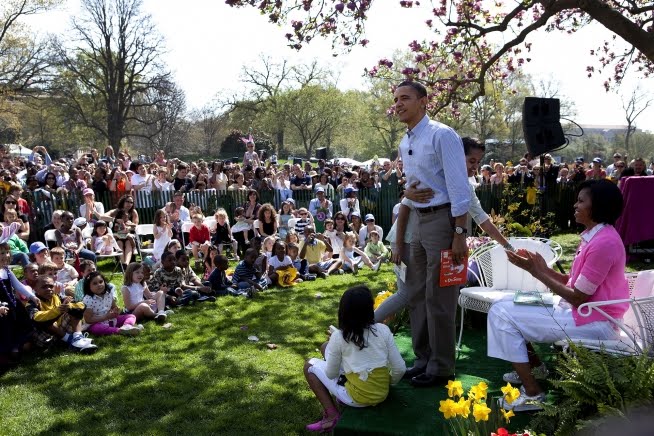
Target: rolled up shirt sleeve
(594, 270)
(456, 174)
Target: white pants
(318, 369)
(511, 326)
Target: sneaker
(524, 403)
(209, 298)
(160, 317)
(540, 373)
(376, 266)
(129, 330)
(169, 312)
(83, 345)
(340, 271)
(250, 292)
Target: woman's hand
(418, 195)
(533, 263)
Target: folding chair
(144, 231)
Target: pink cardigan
(598, 270)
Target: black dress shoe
(413, 371)
(426, 380)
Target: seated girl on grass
(102, 313)
(363, 353)
(138, 299)
(350, 263)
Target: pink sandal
(326, 424)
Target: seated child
(247, 276)
(50, 269)
(174, 246)
(261, 264)
(280, 266)
(375, 249)
(102, 241)
(220, 284)
(292, 237)
(30, 274)
(58, 318)
(87, 267)
(350, 263)
(301, 265)
(223, 235)
(190, 280)
(102, 313)
(170, 279)
(137, 297)
(268, 244)
(67, 275)
(335, 237)
(242, 225)
(199, 237)
(39, 253)
(360, 350)
(209, 262)
(312, 249)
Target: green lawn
(201, 376)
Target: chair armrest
(586, 309)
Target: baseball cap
(597, 160)
(579, 159)
(37, 247)
(370, 217)
(79, 222)
(88, 191)
(355, 213)
(617, 155)
(320, 189)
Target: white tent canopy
(18, 150)
(369, 162)
(346, 160)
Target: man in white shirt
(433, 158)
(184, 214)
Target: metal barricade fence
(379, 202)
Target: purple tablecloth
(637, 221)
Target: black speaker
(297, 161)
(263, 154)
(235, 160)
(321, 153)
(541, 126)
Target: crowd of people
(528, 171)
(63, 297)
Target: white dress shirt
(432, 154)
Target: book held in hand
(533, 298)
(452, 274)
(400, 271)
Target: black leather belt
(432, 209)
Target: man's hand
(459, 249)
(397, 253)
(4, 310)
(418, 195)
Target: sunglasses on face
(10, 202)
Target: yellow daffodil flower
(463, 407)
(479, 391)
(510, 393)
(507, 415)
(454, 388)
(448, 408)
(480, 411)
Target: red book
(450, 273)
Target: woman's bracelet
(509, 247)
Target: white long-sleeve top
(380, 351)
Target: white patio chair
(144, 230)
(186, 229)
(210, 222)
(498, 278)
(50, 238)
(636, 326)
